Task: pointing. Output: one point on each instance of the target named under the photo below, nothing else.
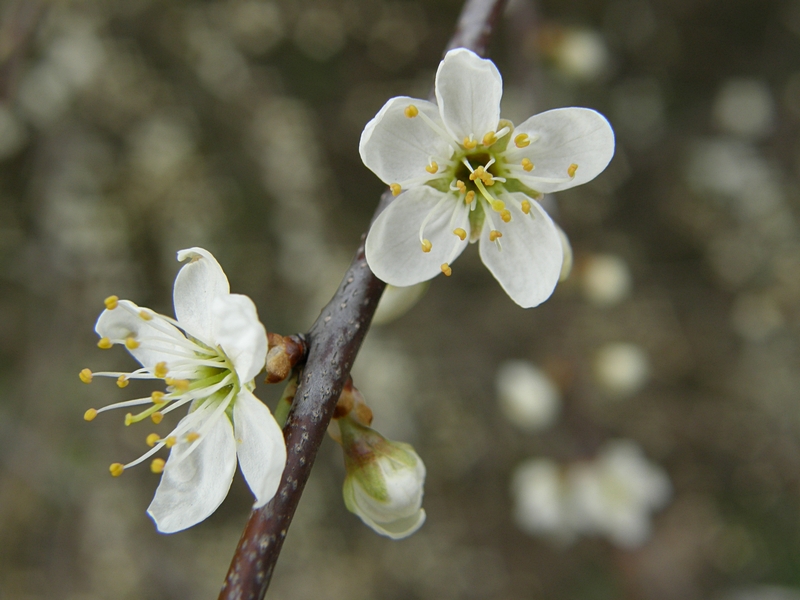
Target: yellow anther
(469, 143)
(411, 111)
(122, 381)
(131, 343)
(156, 417)
(152, 439)
(460, 233)
(128, 419)
(494, 234)
(527, 164)
(145, 315)
(522, 140)
(85, 375)
(111, 302)
(571, 170)
(426, 245)
(525, 205)
(157, 397)
(505, 214)
(157, 466)
(179, 384)
(462, 187)
(446, 270)
(498, 205)
(90, 414)
(489, 139)
(396, 189)
(192, 437)
(469, 197)
(487, 179)
(104, 343)
(477, 174)
(116, 469)
(433, 167)
(160, 370)
(170, 441)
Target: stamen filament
(125, 404)
(439, 131)
(145, 456)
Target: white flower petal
(198, 283)
(560, 138)
(399, 528)
(397, 149)
(193, 487)
(236, 329)
(260, 446)
(362, 505)
(155, 345)
(393, 248)
(468, 91)
(529, 264)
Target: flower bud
(384, 480)
(284, 353)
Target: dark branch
(333, 343)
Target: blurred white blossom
(606, 279)
(580, 53)
(615, 494)
(745, 107)
(621, 369)
(527, 396)
(397, 301)
(539, 489)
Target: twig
(333, 343)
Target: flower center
(194, 373)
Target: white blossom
(462, 174)
(207, 358)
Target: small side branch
(333, 344)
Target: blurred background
(637, 436)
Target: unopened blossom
(384, 481)
(462, 174)
(207, 359)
